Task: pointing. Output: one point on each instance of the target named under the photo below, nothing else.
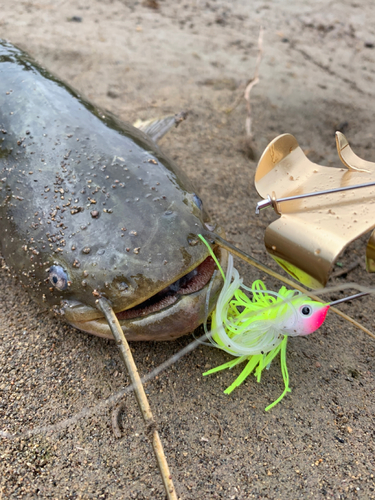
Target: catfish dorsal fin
(158, 127)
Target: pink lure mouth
(190, 283)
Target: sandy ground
(317, 75)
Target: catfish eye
(198, 201)
(306, 310)
(58, 277)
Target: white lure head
(304, 317)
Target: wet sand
(316, 76)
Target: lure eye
(306, 310)
(58, 277)
(198, 201)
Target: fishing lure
(322, 209)
(256, 329)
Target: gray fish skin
(96, 197)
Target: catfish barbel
(90, 207)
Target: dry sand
(317, 75)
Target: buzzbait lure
(256, 330)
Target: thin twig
(218, 423)
(151, 429)
(346, 270)
(252, 84)
(238, 99)
(115, 419)
(262, 430)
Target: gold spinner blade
(323, 209)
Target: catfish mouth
(176, 310)
(191, 282)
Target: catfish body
(90, 206)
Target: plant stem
(140, 394)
